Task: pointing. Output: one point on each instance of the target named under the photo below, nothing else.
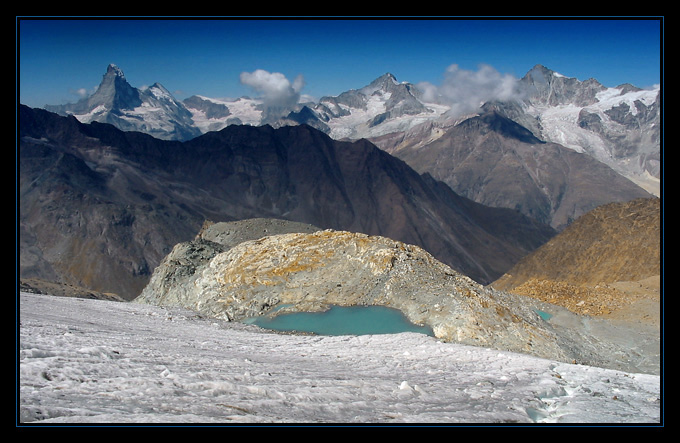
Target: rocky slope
(174, 278)
(614, 242)
(606, 263)
(311, 271)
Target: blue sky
(57, 57)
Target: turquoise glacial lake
(544, 315)
(341, 320)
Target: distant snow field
(93, 361)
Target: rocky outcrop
(173, 281)
(311, 271)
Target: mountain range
(493, 160)
(100, 207)
(152, 110)
(617, 126)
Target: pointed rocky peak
(388, 76)
(158, 86)
(114, 78)
(540, 68)
(384, 83)
(114, 92)
(113, 70)
(539, 74)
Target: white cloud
(277, 92)
(466, 90)
(82, 92)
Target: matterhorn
(151, 110)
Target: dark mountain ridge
(100, 207)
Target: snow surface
(242, 108)
(355, 125)
(94, 361)
(612, 97)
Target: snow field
(92, 361)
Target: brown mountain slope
(604, 261)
